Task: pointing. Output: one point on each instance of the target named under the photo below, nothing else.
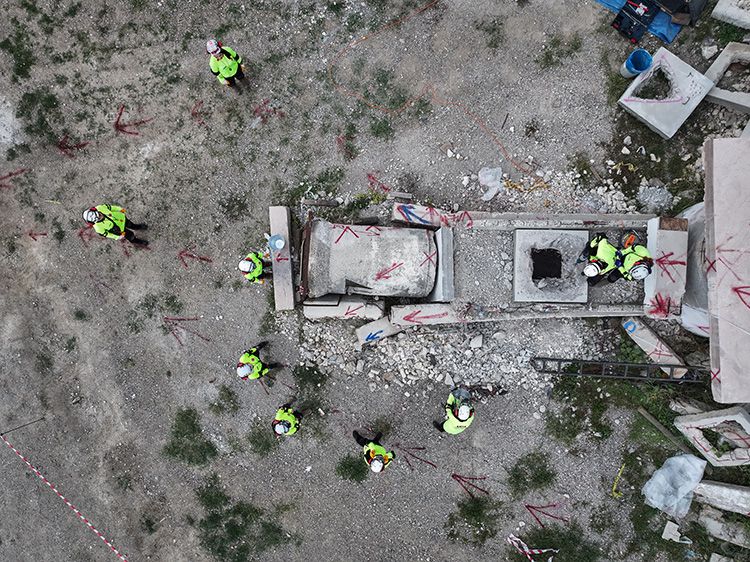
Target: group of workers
(632, 262)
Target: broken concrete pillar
(419, 314)
(283, 284)
(664, 288)
(735, 12)
(653, 346)
(666, 113)
(728, 531)
(737, 101)
(727, 497)
(733, 424)
(346, 307)
(374, 331)
(444, 290)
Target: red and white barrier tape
(523, 549)
(39, 474)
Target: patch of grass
(262, 439)
(58, 233)
(235, 532)
(309, 381)
(581, 163)
(382, 425)
(493, 29)
(162, 302)
(70, 345)
(39, 109)
(44, 361)
(125, 482)
(630, 352)
(81, 315)
(382, 129)
(227, 401)
(727, 32)
(148, 525)
(17, 45)
(569, 540)
(556, 51)
(531, 472)
(234, 206)
(187, 443)
(352, 467)
(474, 521)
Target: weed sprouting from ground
(554, 53)
(531, 472)
(493, 30)
(475, 520)
(629, 352)
(187, 443)
(352, 467)
(382, 129)
(262, 439)
(568, 540)
(81, 315)
(227, 401)
(39, 109)
(235, 532)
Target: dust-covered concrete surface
(104, 345)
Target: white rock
(625, 150)
(476, 342)
(627, 141)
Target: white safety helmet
(244, 370)
(91, 215)
(639, 271)
(282, 427)
(245, 266)
(213, 47)
(464, 412)
(377, 464)
(592, 269)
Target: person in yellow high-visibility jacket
(375, 454)
(225, 64)
(110, 221)
(459, 412)
(287, 421)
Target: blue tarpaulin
(662, 25)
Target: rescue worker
(458, 411)
(635, 264)
(251, 367)
(287, 421)
(254, 268)
(225, 64)
(375, 454)
(602, 257)
(110, 221)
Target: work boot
(142, 226)
(261, 345)
(438, 426)
(274, 366)
(139, 242)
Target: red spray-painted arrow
(35, 234)
(123, 128)
(184, 254)
(413, 317)
(65, 148)
(462, 480)
(12, 174)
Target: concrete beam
(731, 12)
(736, 101)
(376, 331)
(687, 88)
(653, 346)
(444, 290)
(732, 420)
(347, 307)
(420, 314)
(665, 287)
(728, 531)
(283, 283)
(733, 52)
(727, 497)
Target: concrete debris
(728, 531)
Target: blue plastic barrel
(638, 61)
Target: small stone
(372, 386)
(627, 141)
(537, 415)
(625, 150)
(476, 342)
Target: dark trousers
(239, 75)
(364, 442)
(129, 234)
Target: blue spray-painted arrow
(409, 215)
(373, 336)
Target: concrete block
(746, 131)
(734, 422)
(727, 497)
(347, 308)
(728, 531)
(331, 299)
(418, 314)
(727, 264)
(733, 52)
(444, 290)
(570, 287)
(665, 287)
(736, 101)
(283, 283)
(374, 331)
(719, 558)
(653, 346)
(687, 88)
(735, 12)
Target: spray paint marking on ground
(184, 254)
(173, 324)
(39, 474)
(466, 480)
(66, 148)
(7, 177)
(125, 127)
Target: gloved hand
(242, 66)
(225, 82)
(618, 263)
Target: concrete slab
(430, 216)
(733, 52)
(719, 558)
(727, 209)
(726, 497)
(736, 101)
(725, 530)
(687, 88)
(370, 260)
(375, 331)
(736, 12)
(347, 308)
(653, 346)
(665, 287)
(734, 422)
(283, 282)
(569, 287)
(419, 314)
(444, 290)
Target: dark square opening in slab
(546, 263)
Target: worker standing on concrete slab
(110, 221)
(635, 264)
(375, 454)
(254, 268)
(225, 64)
(459, 412)
(287, 421)
(602, 258)
(251, 367)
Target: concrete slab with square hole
(665, 95)
(545, 267)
